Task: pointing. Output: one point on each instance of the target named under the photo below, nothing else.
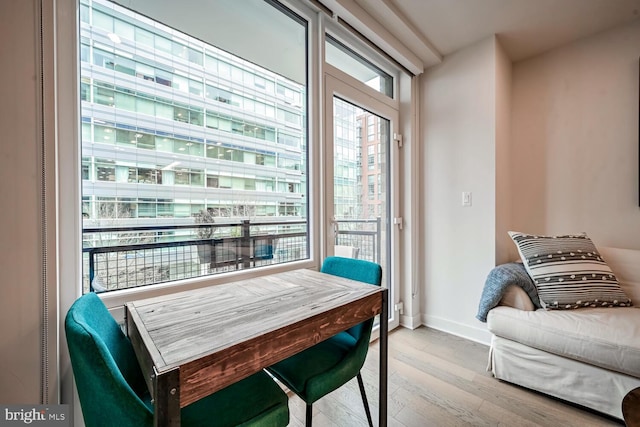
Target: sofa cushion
(569, 272)
(625, 263)
(600, 336)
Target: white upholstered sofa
(589, 356)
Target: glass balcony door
(359, 178)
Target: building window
(371, 186)
(174, 127)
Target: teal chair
(112, 390)
(323, 368)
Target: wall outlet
(399, 307)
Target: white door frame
(338, 83)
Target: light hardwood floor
(437, 379)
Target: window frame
(68, 131)
(70, 166)
(63, 88)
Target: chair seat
(328, 365)
(113, 393)
(309, 373)
(236, 404)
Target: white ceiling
(525, 28)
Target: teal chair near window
(328, 365)
(112, 390)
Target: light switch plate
(466, 198)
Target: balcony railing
(364, 235)
(125, 257)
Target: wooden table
(191, 344)
(631, 408)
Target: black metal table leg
(384, 350)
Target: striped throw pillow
(569, 272)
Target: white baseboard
(478, 334)
(410, 322)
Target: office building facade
(172, 126)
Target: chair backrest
(355, 269)
(107, 375)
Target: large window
(193, 157)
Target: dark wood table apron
(191, 344)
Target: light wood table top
(191, 344)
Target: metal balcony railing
(126, 257)
(364, 235)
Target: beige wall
(575, 139)
(547, 145)
(459, 130)
(20, 219)
(504, 198)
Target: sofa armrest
(514, 296)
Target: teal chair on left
(112, 390)
(328, 365)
